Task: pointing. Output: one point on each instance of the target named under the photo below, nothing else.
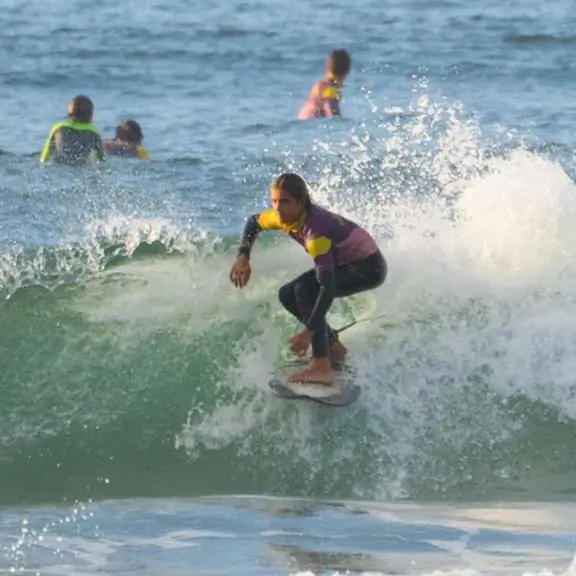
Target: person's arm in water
(49, 145)
(267, 220)
(100, 150)
(321, 250)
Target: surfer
(324, 98)
(346, 258)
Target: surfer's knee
(304, 291)
(383, 270)
(379, 268)
(286, 294)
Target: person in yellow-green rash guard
(347, 261)
(74, 141)
(128, 141)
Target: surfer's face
(288, 209)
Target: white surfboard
(343, 392)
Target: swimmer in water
(347, 261)
(324, 98)
(74, 141)
(128, 141)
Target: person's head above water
(290, 197)
(338, 64)
(129, 131)
(81, 109)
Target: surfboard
(343, 392)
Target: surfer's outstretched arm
(267, 220)
(251, 230)
(241, 270)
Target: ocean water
(138, 434)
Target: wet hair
(81, 109)
(129, 131)
(340, 62)
(295, 186)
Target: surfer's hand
(240, 273)
(299, 343)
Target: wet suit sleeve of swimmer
(267, 220)
(49, 145)
(321, 251)
(100, 149)
(142, 153)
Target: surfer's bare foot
(319, 371)
(338, 351)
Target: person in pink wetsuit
(324, 98)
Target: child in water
(128, 141)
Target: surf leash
(360, 321)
